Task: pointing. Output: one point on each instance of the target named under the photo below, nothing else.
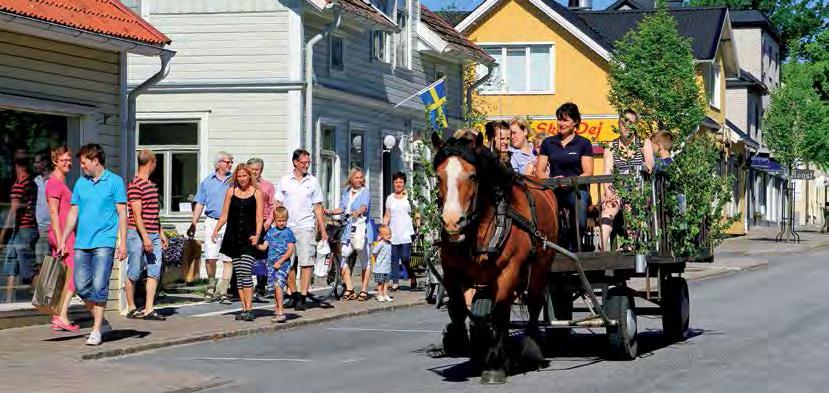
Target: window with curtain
(521, 69)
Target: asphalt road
(733, 317)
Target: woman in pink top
(58, 195)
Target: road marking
(253, 359)
(355, 329)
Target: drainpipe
(166, 56)
(310, 131)
(489, 68)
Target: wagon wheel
(676, 309)
(621, 339)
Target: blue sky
(470, 4)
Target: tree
(652, 72)
(796, 123)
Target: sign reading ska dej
(597, 130)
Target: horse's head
(458, 166)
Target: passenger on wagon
(635, 153)
(568, 155)
(498, 135)
(522, 154)
(663, 142)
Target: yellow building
(548, 54)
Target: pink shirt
(58, 190)
(269, 192)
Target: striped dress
(625, 165)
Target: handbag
(50, 286)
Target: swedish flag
(434, 98)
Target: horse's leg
(495, 361)
(531, 353)
(455, 338)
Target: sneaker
(249, 316)
(389, 298)
(94, 339)
(224, 299)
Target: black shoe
(249, 316)
(300, 305)
(292, 301)
(240, 316)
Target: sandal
(363, 296)
(348, 295)
(279, 318)
(154, 316)
(135, 314)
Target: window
(356, 157)
(329, 166)
(382, 5)
(337, 60)
(379, 46)
(402, 41)
(520, 70)
(176, 147)
(711, 79)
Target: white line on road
(253, 359)
(354, 329)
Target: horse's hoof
(493, 377)
(531, 352)
(456, 341)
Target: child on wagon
(662, 144)
(279, 241)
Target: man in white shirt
(300, 193)
(43, 167)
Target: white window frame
(331, 69)
(405, 35)
(713, 72)
(201, 119)
(329, 154)
(385, 57)
(503, 69)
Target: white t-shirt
(400, 219)
(299, 197)
(42, 208)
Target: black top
(241, 225)
(566, 160)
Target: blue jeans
(138, 259)
(20, 254)
(567, 198)
(400, 253)
(93, 268)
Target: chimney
(580, 5)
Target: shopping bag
(321, 263)
(49, 287)
(191, 260)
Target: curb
(215, 336)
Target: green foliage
(652, 72)
(634, 191)
(796, 123)
(695, 178)
(424, 193)
(816, 62)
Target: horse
(491, 241)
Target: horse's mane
(492, 174)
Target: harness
(504, 217)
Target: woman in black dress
(243, 214)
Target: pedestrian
(398, 217)
(257, 165)
(280, 244)
(522, 154)
(43, 168)
(210, 199)
(300, 193)
(145, 239)
(99, 208)
(59, 201)
(242, 212)
(22, 225)
(568, 154)
(382, 263)
(355, 202)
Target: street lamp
(389, 142)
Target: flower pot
(641, 263)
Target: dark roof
(746, 79)
(634, 4)
(703, 25)
(748, 140)
(449, 34)
(575, 19)
(753, 18)
(453, 17)
(362, 9)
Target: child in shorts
(382, 264)
(279, 241)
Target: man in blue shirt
(99, 208)
(210, 199)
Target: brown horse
(481, 200)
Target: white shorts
(306, 246)
(211, 249)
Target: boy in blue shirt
(382, 263)
(280, 243)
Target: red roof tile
(360, 8)
(107, 17)
(448, 33)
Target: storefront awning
(766, 164)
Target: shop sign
(597, 130)
(802, 174)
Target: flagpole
(420, 92)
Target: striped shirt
(626, 165)
(147, 192)
(24, 191)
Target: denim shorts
(20, 254)
(278, 277)
(138, 259)
(93, 267)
